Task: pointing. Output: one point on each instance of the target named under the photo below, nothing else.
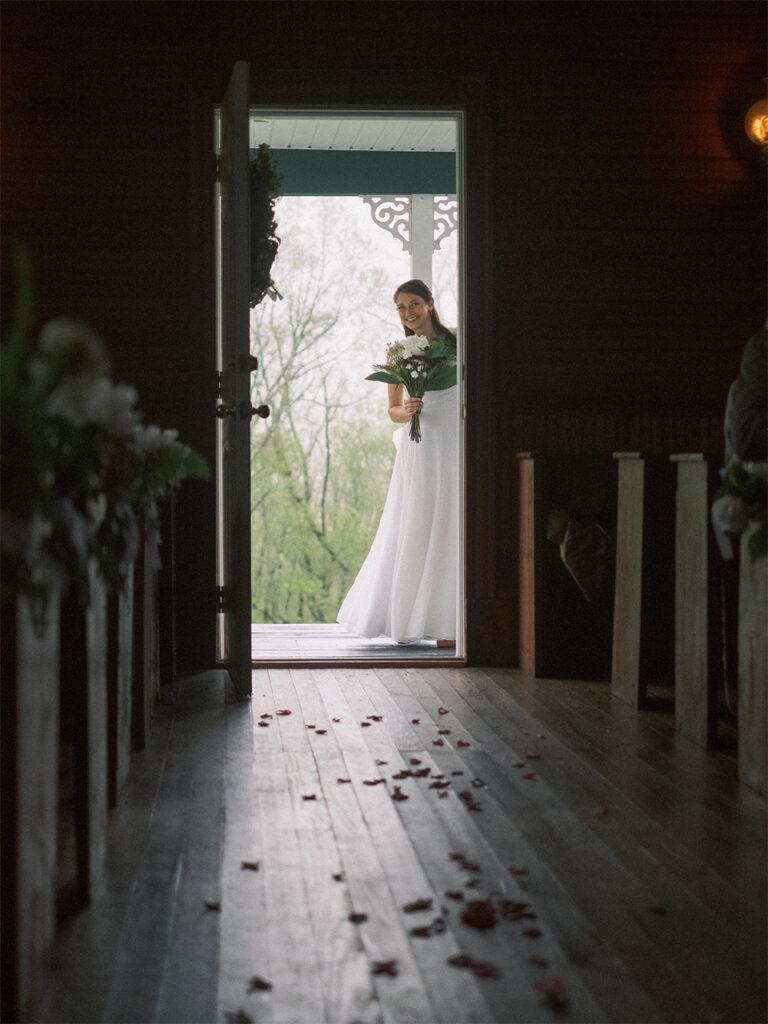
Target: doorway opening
(368, 200)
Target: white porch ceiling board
(379, 134)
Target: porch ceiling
(370, 133)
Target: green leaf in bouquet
(444, 378)
(383, 376)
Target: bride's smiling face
(414, 313)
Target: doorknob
(248, 411)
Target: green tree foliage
(321, 464)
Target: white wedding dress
(407, 586)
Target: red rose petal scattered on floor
(375, 718)
(399, 795)
(480, 914)
(512, 910)
(365, 725)
(538, 961)
(443, 794)
(484, 969)
(533, 757)
(438, 743)
(343, 780)
(373, 782)
(421, 773)
(540, 736)
(266, 716)
(338, 877)
(310, 727)
(470, 884)
(320, 732)
(442, 711)
(478, 783)
(249, 865)
(284, 711)
(529, 775)
(462, 743)
(469, 865)
(311, 796)
(460, 960)
(264, 725)
(406, 773)
(337, 720)
(457, 773)
(384, 967)
(456, 856)
(211, 905)
(520, 764)
(379, 763)
(422, 932)
(657, 908)
(439, 785)
(240, 1017)
(443, 732)
(515, 870)
(415, 721)
(532, 933)
(438, 925)
(554, 992)
(417, 905)
(436, 776)
(414, 760)
(258, 984)
(455, 894)
(358, 918)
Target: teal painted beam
(309, 172)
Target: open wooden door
(234, 405)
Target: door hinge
(223, 599)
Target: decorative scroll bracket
(395, 215)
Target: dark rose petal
(406, 773)
(414, 760)
(456, 856)
(384, 967)
(484, 969)
(457, 773)
(469, 865)
(310, 727)
(657, 908)
(443, 732)
(438, 776)
(422, 932)
(439, 785)
(259, 984)
(285, 711)
(515, 870)
(358, 918)
(339, 877)
(530, 775)
(438, 743)
(212, 905)
(373, 782)
(442, 711)
(462, 743)
(415, 721)
(519, 764)
(266, 716)
(532, 933)
(443, 794)
(470, 884)
(421, 773)
(320, 732)
(416, 905)
(553, 990)
(478, 783)
(540, 736)
(480, 914)
(264, 725)
(311, 796)
(460, 960)
(379, 763)
(455, 894)
(249, 865)
(240, 1017)
(337, 720)
(538, 961)
(533, 757)
(365, 725)
(375, 718)
(438, 926)
(399, 795)
(343, 780)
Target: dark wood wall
(615, 218)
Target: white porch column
(422, 237)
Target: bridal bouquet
(419, 365)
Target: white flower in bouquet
(151, 440)
(74, 344)
(729, 514)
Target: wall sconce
(756, 125)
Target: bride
(407, 586)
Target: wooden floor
(623, 871)
(289, 642)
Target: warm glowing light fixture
(756, 123)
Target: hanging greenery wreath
(265, 185)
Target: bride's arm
(401, 411)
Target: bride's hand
(413, 405)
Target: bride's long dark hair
(417, 287)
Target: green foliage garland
(265, 184)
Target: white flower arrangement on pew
(741, 500)
(81, 475)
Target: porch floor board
(640, 861)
